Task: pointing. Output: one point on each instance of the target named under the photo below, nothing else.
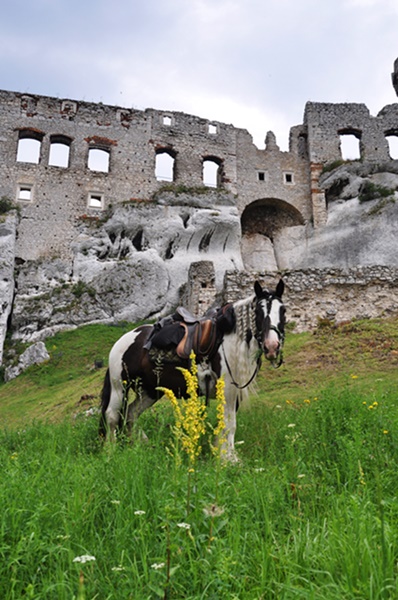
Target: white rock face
(259, 253)
(34, 355)
(356, 233)
(8, 226)
(131, 268)
(143, 254)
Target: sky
(251, 63)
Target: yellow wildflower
(219, 431)
(189, 413)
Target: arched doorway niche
(260, 221)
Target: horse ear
(280, 288)
(258, 289)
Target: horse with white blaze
(229, 342)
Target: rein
(241, 387)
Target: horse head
(270, 321)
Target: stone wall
(131, 140)
(333, 294)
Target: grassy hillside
(310, 512)
(362, 354)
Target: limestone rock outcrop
(130, 267)
(8, 229)
(33, 355)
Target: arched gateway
(260, 221)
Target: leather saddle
(185, 333)
(200, 336)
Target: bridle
(281, 338)
(259, 339)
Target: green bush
(6, 205)
(371, 191)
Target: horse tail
(105, 398)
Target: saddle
(183, 333)
(200, 336)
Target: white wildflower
(84, 558)
(184, 525)
(139, 512)
(292, 425)
(157, 566)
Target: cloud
(253, 63)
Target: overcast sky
(252, 63)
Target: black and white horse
(246, 330)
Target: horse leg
(141, 402)
(228, 435)
(112, 413)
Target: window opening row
(212, 128)
(25, 195)
(350, 146)
(98, 159)
(29, 151)
(288, 177)
(165, 169)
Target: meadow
(309, 512)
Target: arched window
(350, 144)
(29, 146)
(98, 159)
(165, 163)
(212, 172)
(392, 139)
(59, 151)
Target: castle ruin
(114, 205)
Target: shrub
(371, 191)
(6, 205)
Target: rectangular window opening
(212, 129)
(95, 200)
(288, 178)
(261, 175)
(167, 120)
(24, 193)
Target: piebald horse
(246, 330)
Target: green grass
(64, 385)
(310, 512)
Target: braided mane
(245, 317)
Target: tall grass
(310, 512)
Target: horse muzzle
(272, 348)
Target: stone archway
(260, 221)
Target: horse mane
(245, 317)
(240, 352)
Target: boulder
(34, 355)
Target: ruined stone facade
(93, 201)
